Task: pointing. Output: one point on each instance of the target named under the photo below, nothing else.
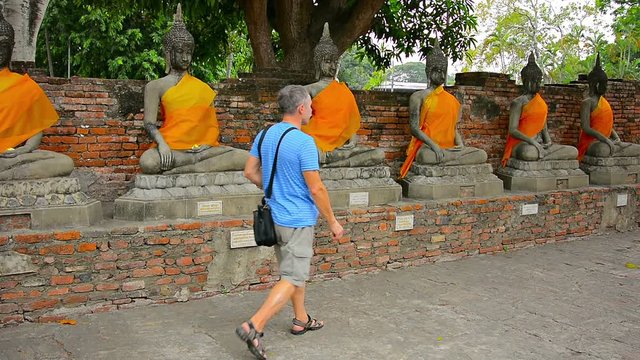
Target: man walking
(298, 196)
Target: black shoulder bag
(264, 230)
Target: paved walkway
(573, 300)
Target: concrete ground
(572, 300)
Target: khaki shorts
(294, 251)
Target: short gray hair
(290, 97)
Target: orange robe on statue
(601, 121)
(189, 118)
(532, 121)
(335, 117)
(25, 109)
(438, 118)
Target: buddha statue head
(326, 55)
(436, 65)
(6, 41)
(178, 44)
(597, 79)
(531, 76)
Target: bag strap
(275, 159)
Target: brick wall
(101, 120)
(101, 269)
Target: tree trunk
(25, 16)
(299, 24)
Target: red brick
(184, 261)
(157, 241)
(325, 251)
(201, 278)
(30, 238)
(153, 228)
(4, 240)
(203, 259)
(58, 291)
(133, 285)
(194, 269)
(154, 271)
(8, 284)
(155, 262)
(107, 287)
(172, 271)
(324, 266)
(182, 280)
(12, 295)
(75, 299)
(164, 281)
(86, 247)
(61, 279)
(40, 304)
(68, 235)
(105, 266)
(57, 249)
(82, 288)
(192, 226)
(9, 308)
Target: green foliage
(125, 40)
(355, 68)
(409, 72)
(410, 26)
(622, 57)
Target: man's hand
(166, 157)
(336, 230)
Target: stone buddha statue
(528, 138)
(433, 115)
(25, 111)
(336, 117)
(598, 138)
(187, 141)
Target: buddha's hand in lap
(456, 148)
(11, 153)
(166, 157)
(198, 148)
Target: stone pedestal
(542, 175)
(611, 170)
(49, 203)
(444, 182)
(188, 196)
(360, 186)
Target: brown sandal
(249, 337)
(310, 325)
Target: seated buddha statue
(528, 138)
(336, 117)
(25, 111)
(187, 141)
(598, 138)
(434, 114)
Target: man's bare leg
(278, 297)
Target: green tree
(126, 41)
(355, 68)
(622, 57)
(408, 72)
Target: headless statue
(598, 138)
(336, 118)
(433, 116)
(187, 142)
(528, 137)
(25, 111)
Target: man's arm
(253, 171)
(321, 198)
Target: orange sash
(189, 117)
(25, 109)
(601, 120)
(532, 121)
(438, 118)
(335, 117)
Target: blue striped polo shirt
(291, 202)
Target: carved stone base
(187, 196)
(612, 170)
(360, 187)
(444, 182)
(50, 203)
(542, 175)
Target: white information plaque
(242, 238)
(622, 200)
(529, 209)
(359, 199)
(206, 208)
(404, 222)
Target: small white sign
(242, 238)
(359, 199)
(529, 209)
(622, 200)
(404, 222)
(206, 208)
